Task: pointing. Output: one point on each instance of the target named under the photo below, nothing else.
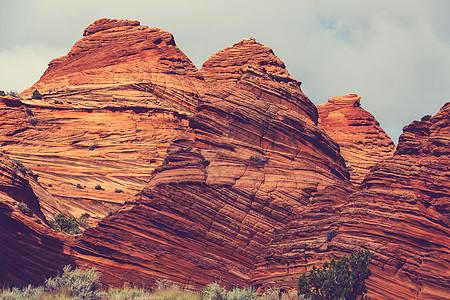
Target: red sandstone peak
(362, 141)
(105, 24)
(230, 63)
(253, 161)
(251, 63)
(402, 213)
(119, 63)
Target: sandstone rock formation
(110, 109)
(400, 213)
(120, 63)
(363, 143)
(254, 159)
(243, 184)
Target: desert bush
(29, 111)
(12, 94)
(118, 191)
(23, 208)
(84, 220)
(343, 278)
(2, 93)
(79, 284)
(99, 187)
(32, 121)
(63, 223)
(36, 95)
(331, 234)
(79, 186)
(26, 293)
(213, 291)
(93, 146)
(242, 294)
(128, 294)
(58, 102)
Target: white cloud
(393, 53)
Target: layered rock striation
(243, 184)
(30, 251)
(402, 215)
(252, 162)
(119, 63)
(110, 109)
(363, 143)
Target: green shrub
(36, 95)
(258, 160)
(93, 146)
(2, 93)
(128, 294)
(242, 294)
(23, 208)
(26, 293)
(331, 234)
(84, 220)
(79, 284)
(213, 291)
(343, 278)
(32, 121)
(63, 223)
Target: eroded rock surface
(110, 109)
(30, 250)
(248, 188)
(363, 143)
(251, 163)
(119, 63)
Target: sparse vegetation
(13, 94)
(339, 279)
(118, 191)
(84, 220)
(258, 160)
(85, 284)
(62, 223)
(79, 186)
(28, 111)
(99, 187)
(23, 208)
(58, 102)
(138, 130)
(331, 234)
(36, 95)
(93, 146)
(2, 93)
(32, 121)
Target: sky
(395, 54)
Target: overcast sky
(393, 53)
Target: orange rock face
(110, 109)
(29, 250)
(242, 183)
(253, 159)
(119, 63)
(402, 215)
(363, 143)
